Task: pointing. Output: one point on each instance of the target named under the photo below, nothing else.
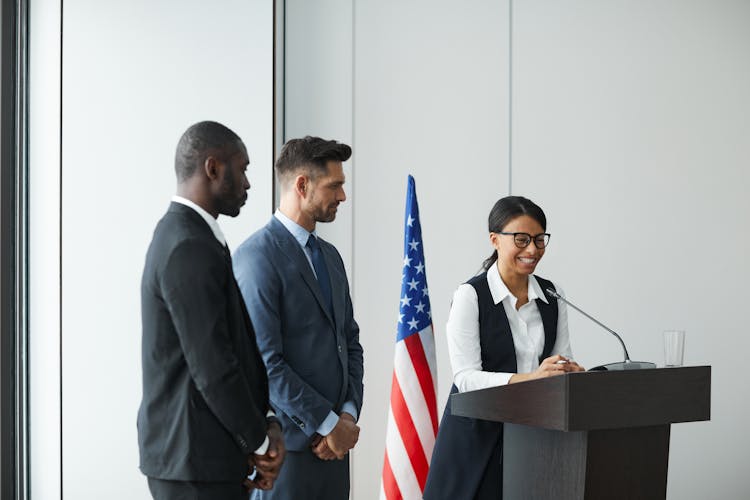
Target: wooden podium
(590, 435)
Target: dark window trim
(14, 251)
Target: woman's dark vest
(466, 461)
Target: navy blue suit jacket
(313, 359)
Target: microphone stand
(627, 364)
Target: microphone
(623, 365)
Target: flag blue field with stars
(414, 313)
(412, 416)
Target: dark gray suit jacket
(205, 391)
(314, 360)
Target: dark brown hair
(310, 153)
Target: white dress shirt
(219, 235)
(525, 325)
(215, 228)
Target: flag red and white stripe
(412, 415)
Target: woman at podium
(503, 328)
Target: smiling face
(514, 262)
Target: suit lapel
(292, 250)
(337, 281)
(202, 229)
(200, 226)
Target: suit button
(340, 349)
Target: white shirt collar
(215, 228)
(300, 233)
(499, 291)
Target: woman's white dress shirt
(525, 324)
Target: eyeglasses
(522, 240)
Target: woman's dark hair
(505, 210)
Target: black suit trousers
(162, 489)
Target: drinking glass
(674, 347)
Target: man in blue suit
(297, 294)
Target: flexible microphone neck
(556, 295)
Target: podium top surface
(595, 400)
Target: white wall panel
(44, 249)
(630, 129)
(430, 99)
(135, 75)
(318, 92)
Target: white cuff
(263, 448)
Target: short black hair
(311, 153)
(200, 141)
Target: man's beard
(327, 214)
(228, 202)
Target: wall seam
(510, 97)
(60, 248)
(352, 287)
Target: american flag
(412, 416)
